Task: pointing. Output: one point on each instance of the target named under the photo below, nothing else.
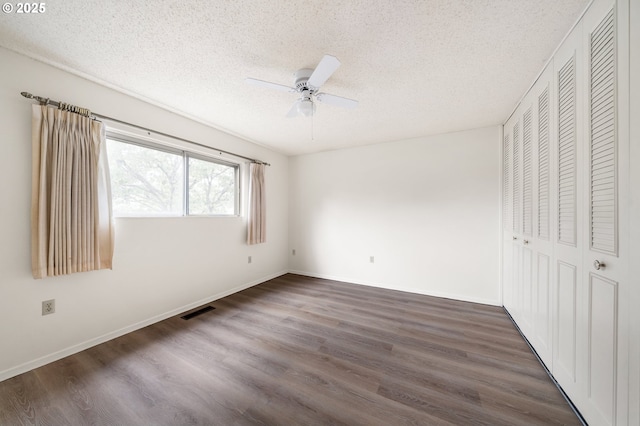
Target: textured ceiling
(417, 67)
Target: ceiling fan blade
(293, 112)
(270, 85)
(323, 71)
(334, 100)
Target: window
(154, 180)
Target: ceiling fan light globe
(306, 107)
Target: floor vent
(198, 312)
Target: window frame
(186, 154)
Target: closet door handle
(525, 241)
(515, 238)
(598, 265)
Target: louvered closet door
(515, 128)
(523, 212)
(603, 268)
(507, 218)
(512, 171)
(538, 203)
(568, 154)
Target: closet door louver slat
(602, 152)
(567, 154)
(543, 165)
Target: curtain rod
(84, 111)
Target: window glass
(212, 188)
(145, 181)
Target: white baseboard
(39, 362)
(453, 296)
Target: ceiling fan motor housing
(301, 78)
(305, 105)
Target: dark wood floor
(298, 350)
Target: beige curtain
(257, 227)
(71, 221)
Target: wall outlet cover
(49, 307)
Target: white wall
(427, 209)
(162, 266)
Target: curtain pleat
(257, 225)
(72, 223)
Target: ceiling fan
(307, 82)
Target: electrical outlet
(49, 307)
(371, 259)
(249, 259)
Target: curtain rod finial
(27, 95)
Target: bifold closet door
(632, 296)
(507, 219)
(526, 218)
(604, 273)
(537, 248)
(568, 331)
(512, 218)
